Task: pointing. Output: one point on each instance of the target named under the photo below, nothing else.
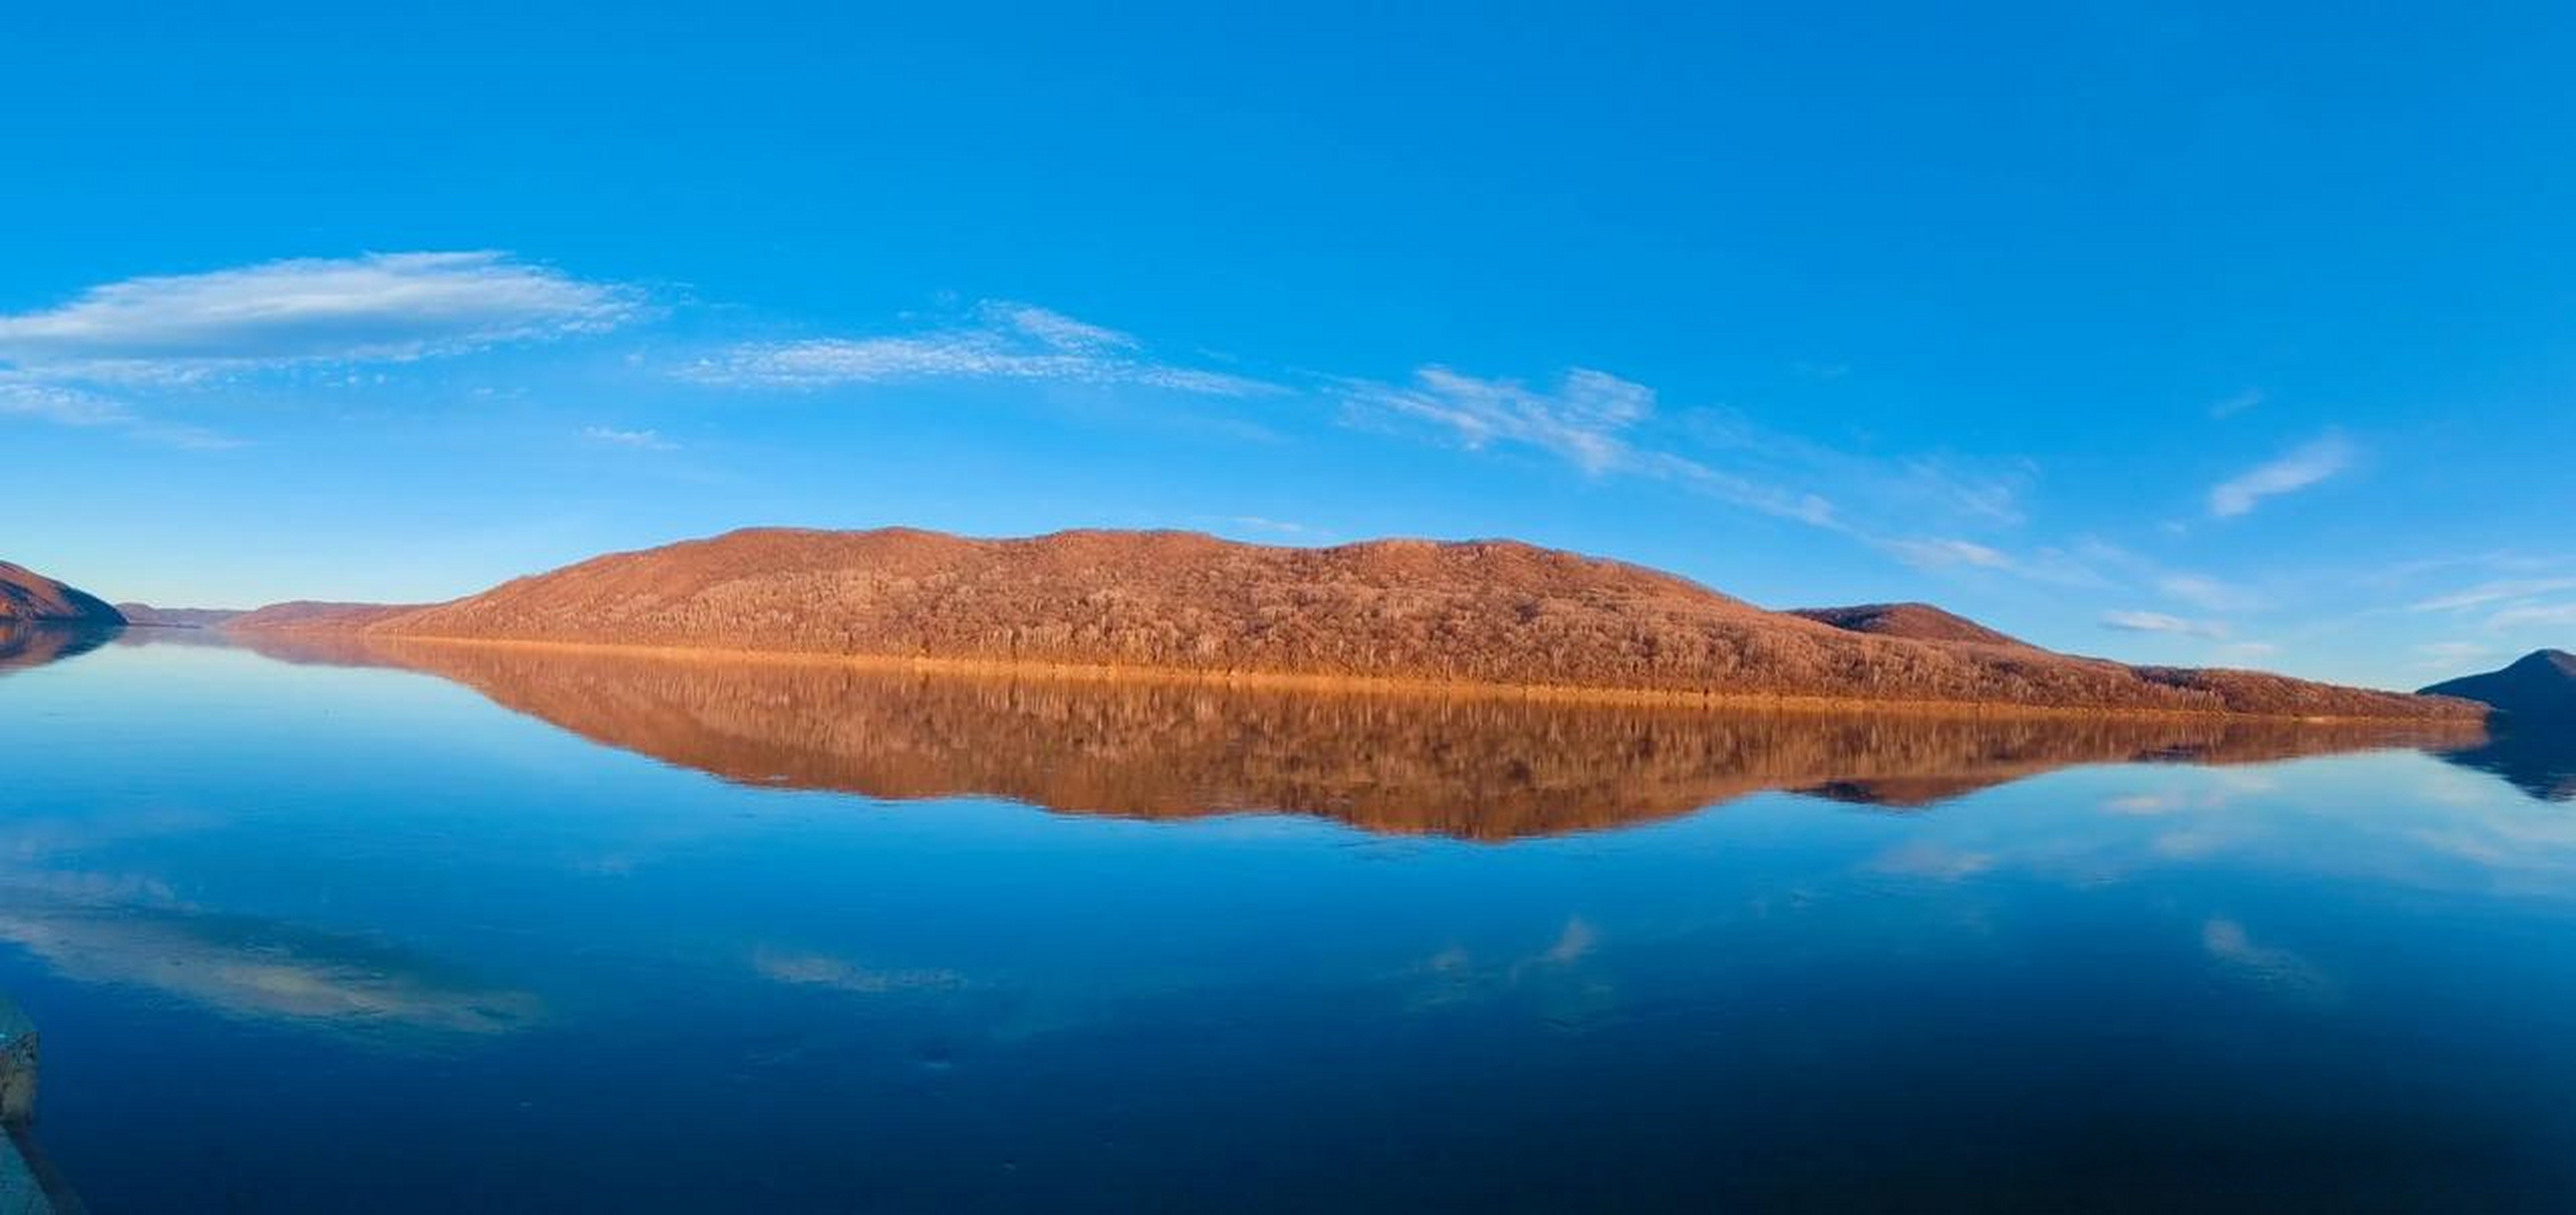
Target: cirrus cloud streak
(2159, 622)
(378, 307)
(1007, 341)
(2296, 470)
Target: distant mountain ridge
(1488, 612)
(313, 614)
(27, 597)
(145, 615)
(2538, 688)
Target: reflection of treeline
(34, 645)
(1495, 613)
(1483, 768)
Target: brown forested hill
(1492, 612)
(27, 597)
(1918, 621)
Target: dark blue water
(303, 937)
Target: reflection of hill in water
(2540, 761)
(1479, 768)
(23, 645)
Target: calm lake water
(473, 929)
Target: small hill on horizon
(1490, 612)
(297, 614)
(27, 597)
(144, 615)
(2537, 689)
(1917, 621)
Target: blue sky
(2168, 333)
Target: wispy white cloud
(1587, 420)
(1932, 511)
(2488, 593)
(1606, 425)
(962, 355)
(1584, 418)
(61, 405)
(2207, 593)
(1924, 490)
(1989, 498)
(378, 307)
(1055, 328)
(1275, 527)
(2159, 622)
(2235, 403)
(2448, 655)
(2296, 470)
(1778, 501)
(2509, 603)
(1006, 341)
(641, 440)
(2200, 591)
(2529, 615)
(23, 398)
(80, 363)
(1947, 553)
(2398, 573)
(1598, 422)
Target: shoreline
(1375, 685)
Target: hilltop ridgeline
(30, 598)
(1916, 621)
(1476, 612)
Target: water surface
(467, 928)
